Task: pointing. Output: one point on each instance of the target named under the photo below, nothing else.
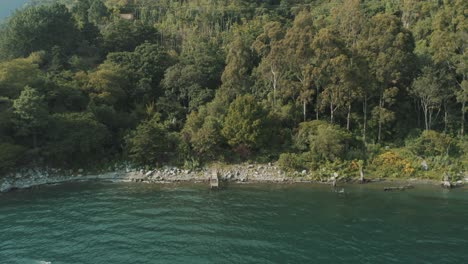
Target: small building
(127, 16)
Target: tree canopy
(322, 81)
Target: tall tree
(31, 111)
(18, 73)
(428, 89)
(239, 64)
(272, 68)
(299, 51)
(350, 23)
(244, 124)
(388, 48)
(332, 70)
(39, 28)
(448, 44)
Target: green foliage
(244, 125)
(18, 73)
(75, 138)
(31, 112)
(296, 162)
(208, 78)
(151, 143)
(305, 132)
(330, 142)
(124, 35)
(109, 85)
(432, 143)
(97, 12)
(204, 135)
(392, 164)
(10, 155)
(39, 28)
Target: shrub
(330, 142)
(305, 131)
(74, 138)
(290, 162)
(151, 143)
(432, 143)
(10, 155)
(391, 164)
(244, 125)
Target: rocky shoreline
(240, 173)
(235, 173)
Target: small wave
(44, 262)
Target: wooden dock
(214, 180)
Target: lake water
(140, 223)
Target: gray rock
(5, 187)
(424, 165)
(446, 184)
(80, 170)
(303, 172)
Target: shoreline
(238, 173)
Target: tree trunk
(34, 139)
(331, 113)
(380, 119)
(426, 121)
(445, 117)
(317, 104)
(304, 106)
(462, 130)
(274, 86)
(348, 118)
(364, 106)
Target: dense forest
(317, 85)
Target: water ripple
(127, 223)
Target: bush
(151, 143)
(432, 143)
(74, 138)
(290, 162)
(330, 142)
(10, 155)
(244, 125)
(391, 164)
(305, 131)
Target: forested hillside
(331, 85)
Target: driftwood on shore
(399, 188)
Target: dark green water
(125, 223)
